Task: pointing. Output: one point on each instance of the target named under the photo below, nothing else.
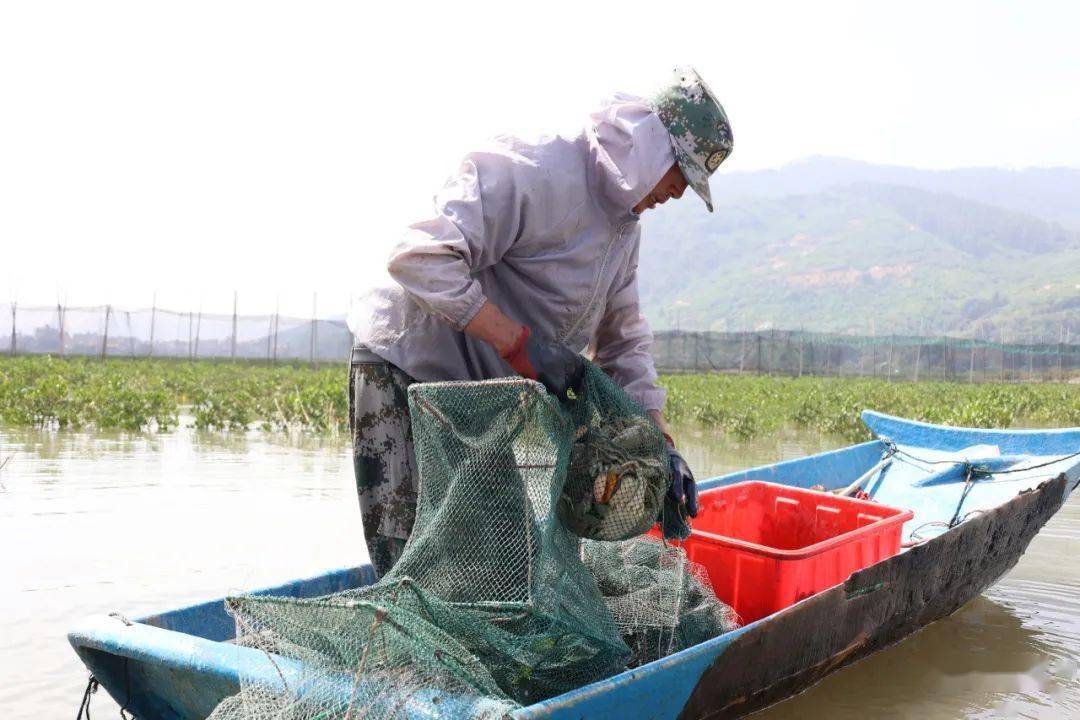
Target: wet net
(495, 602)
(662, 602)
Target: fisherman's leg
(383, 458)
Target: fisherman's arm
(436, 260)
(435, 263)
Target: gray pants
(383, 456)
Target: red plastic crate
(767, 546)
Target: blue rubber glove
(683, 489)
(680, 502)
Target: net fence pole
(742, 351)
(1030, 352)
(14, 307)
(1002, 329)
(232, 344)
(198, 330)
(190, 355)
(860, 353)
(802, 348)
(786, 356)
(946, 370)
(971, 360)
(1072, 353)
(938, 342)
(277, 323)
(105, 336)
(1061, 352)
(269, 337)
(314, 325)
(873, 348)
(60, 324)
(918, 350)
(772, 350)
(176, 340)
(153, 320)
(889, 365)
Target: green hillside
(899, 257)
(1047, 193)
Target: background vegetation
(749, 405)
(152, 394)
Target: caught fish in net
(616, 481)
(494, 603)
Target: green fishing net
(662, 602)
(495, 602)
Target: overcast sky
(277, 148)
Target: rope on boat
(918, 539)
(1036, 467)
(974, 474)
(127, 692)
(974, 471)
(969, 482)
(92, 686)
(84, 707)
(924, 461)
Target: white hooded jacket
(544, 230)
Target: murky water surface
(93, 523)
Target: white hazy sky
(277, 148)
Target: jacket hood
(630, 150)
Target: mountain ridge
(1050, 193)
(852, 256)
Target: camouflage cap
(700, 132)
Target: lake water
(94, 523)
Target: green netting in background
(887, 355)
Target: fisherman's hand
(556, 366)
(683, 489)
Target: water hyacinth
(149, 394)
(747, 405)
(146, 394)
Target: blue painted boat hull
(178, 665)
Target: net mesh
(495, 601)
(660, 600)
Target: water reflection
(712, 453)
(90, 445)
(968, 665)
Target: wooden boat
(979, 497)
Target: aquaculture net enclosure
(495, 602)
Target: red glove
(518, 358)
